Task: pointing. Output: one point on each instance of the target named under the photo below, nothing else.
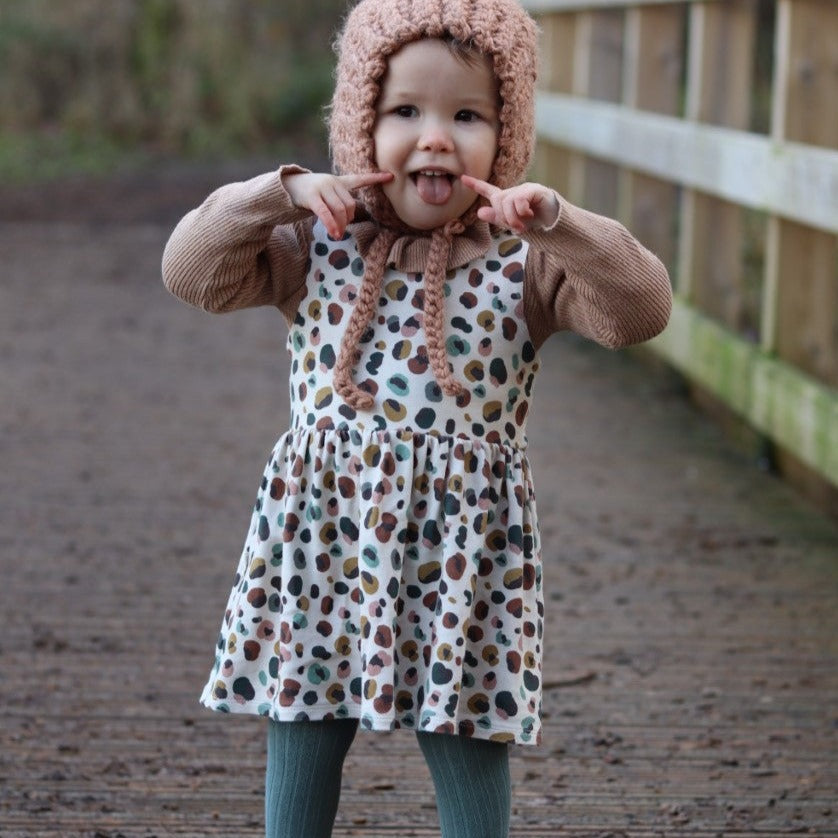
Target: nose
(435, 136)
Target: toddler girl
(391, 577)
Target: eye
(405, 111)
(466, 115)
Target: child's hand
(519, 208)
(329, 196)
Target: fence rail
(711, 129)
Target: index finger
(481, 187)
(366, 179)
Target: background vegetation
(87, 84)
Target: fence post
(800, 300)
(720, 52)
(653, 63)
(597, 74)
(558, 38)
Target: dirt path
(692, 660)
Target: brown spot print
(388, 464)
(514, 272)
(328, 533)
(486, 320)
(369, 583)
(394, 410)
(384, 702)
(402, 349)
(513, 662)
(479, 703)
(324, 628)
(290, 690)
(490, 655)
(404, 701)
(492, 411)
(509, 328)
(383, 637)
(323, 561)
(346, 487)
(251, 650)
(475, 633)
(521, 413)
(372, 455)
(468, 300)
(529, 577)
(429, 572)
(474, 371)
(323, 398)
(456, 566)
(496, 540)
(475, 278)
(257, 597)
(509, 246)
(410, 651)
(339, 259)
(334, 313)
(343, 646)
(515, 607)
(388, 526)
(335, 694)
(396, 289)
(418, 300)
(419, 363)
(350, 567)
(449, 620)
(513, 578)
(445, 653)
(430, 600)
(481, 610)
(265, 630)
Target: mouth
(434, 185)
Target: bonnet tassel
(367, 303)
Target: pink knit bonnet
(375, 30)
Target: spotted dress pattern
(392, 569)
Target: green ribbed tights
(305, 762)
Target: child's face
(437, 118)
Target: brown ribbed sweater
(248, 245)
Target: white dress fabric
(392, 570)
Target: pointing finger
(367, 179)
(481, 187)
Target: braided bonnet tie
(367, 304)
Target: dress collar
(409, 252)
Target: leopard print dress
(392, 569)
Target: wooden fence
(710, 128)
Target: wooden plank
(710, 264)
(797, 411)
(652, 78)
(801, 310)
(794, 180)
(597, 74)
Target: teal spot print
(398, 385)
(457, 346)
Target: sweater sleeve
(588, 274)
(246, 245)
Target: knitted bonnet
(375, 30)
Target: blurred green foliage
(89, 83)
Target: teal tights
(305, 761)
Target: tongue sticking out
(434, 189)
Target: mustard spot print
(323, 397)
(394, 410)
